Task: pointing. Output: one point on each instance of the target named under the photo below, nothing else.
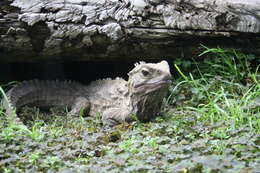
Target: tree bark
(104, 30)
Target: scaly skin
(117, 100)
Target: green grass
(226, 89)
(210, 123)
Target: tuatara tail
(42, 94)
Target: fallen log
(98, 30)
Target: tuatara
(116, 100)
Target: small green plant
(12, 130)
(7, 134)
(218, 147)
(220, 133)
(6, 170)
(3, 93)
(151, 142)
(37, 131)
(34, 158)
(52, 161)
(55, 130)
(129, 145)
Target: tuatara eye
(145, 72)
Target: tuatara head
(148, 84)
(148, 77)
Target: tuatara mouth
(155, 84)
(149, 87)
(159, 82)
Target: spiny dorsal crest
(139, 63)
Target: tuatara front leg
(81, 106)
(114, 116)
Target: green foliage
(9, 132)
(34, 158)
(225, 88)
(37, 131)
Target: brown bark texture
(106, 30)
